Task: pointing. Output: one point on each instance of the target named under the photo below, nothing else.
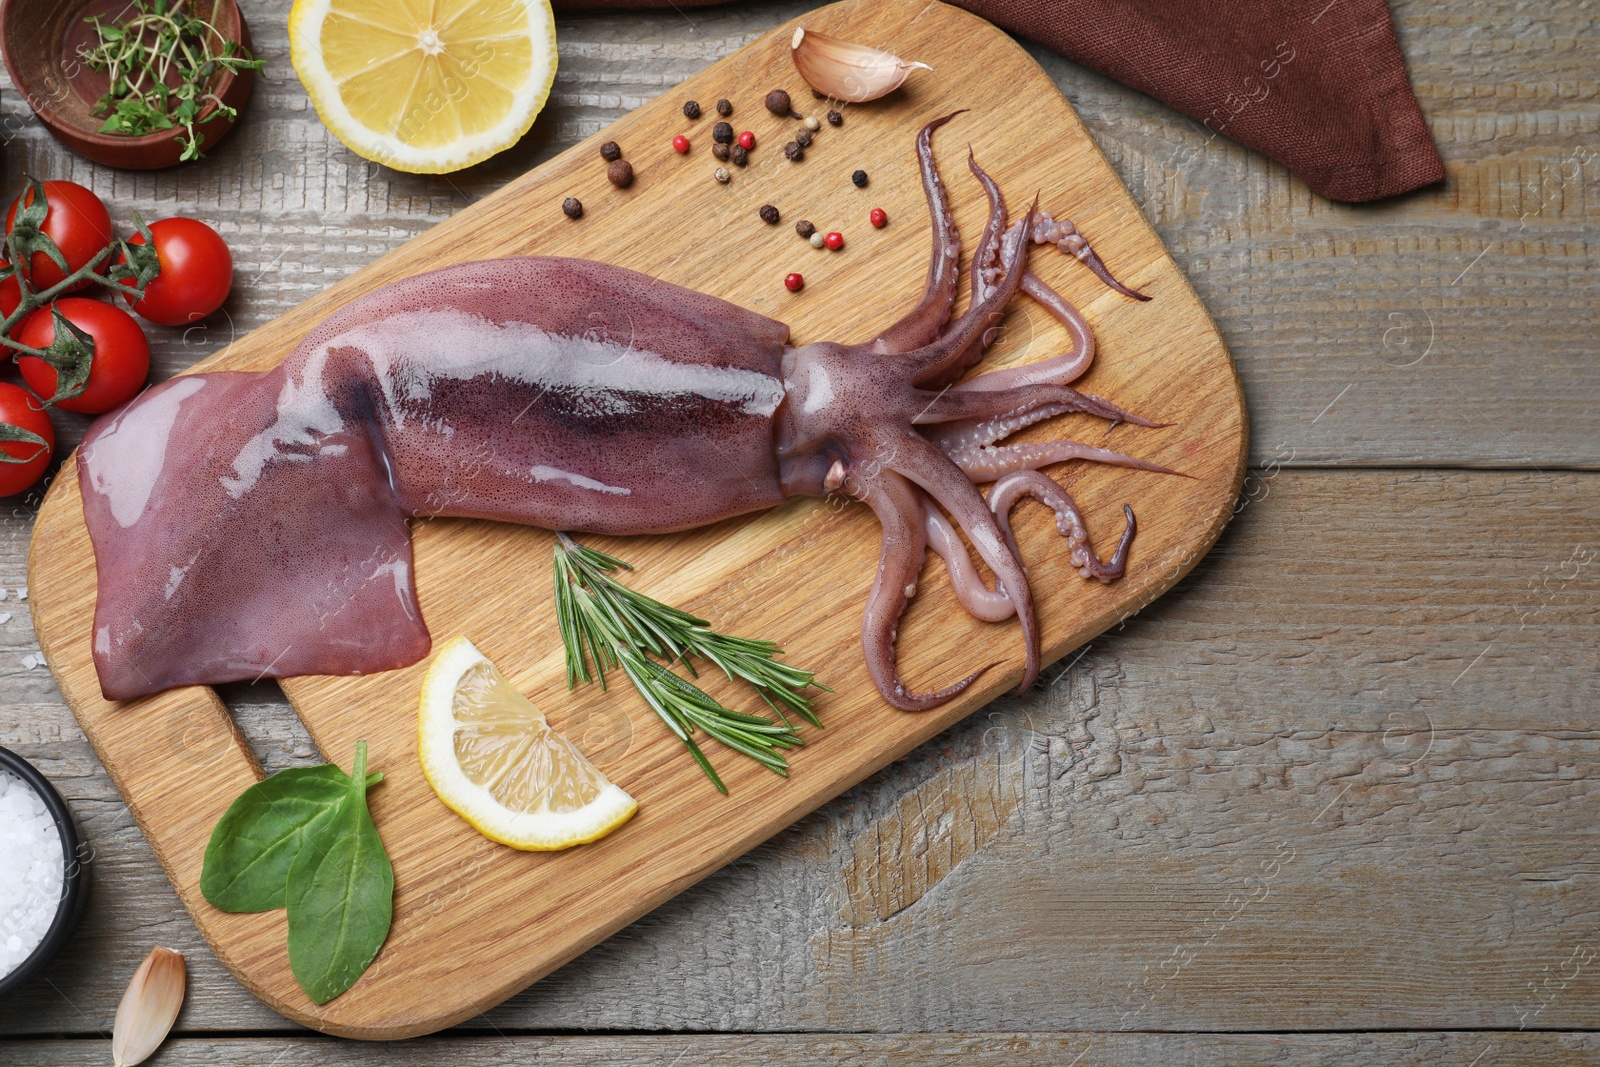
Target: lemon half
(495, 761)
(427, 86)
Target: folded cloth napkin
(1318, 85)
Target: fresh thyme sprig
(140, 52)
(604, 624)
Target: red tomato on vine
(196, 272)
(121, 360)
(26, 437)
(78, 223)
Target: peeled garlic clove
(847, 71)
(149, 1007)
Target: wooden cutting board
(476, 922)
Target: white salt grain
(31, 879)
(5, 617)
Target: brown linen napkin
(1319, 86)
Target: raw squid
(251, 525)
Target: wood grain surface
(476, 922)
(858, 1050)
(1443, 907)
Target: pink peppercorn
(834, 241)
(747, 140)
(794, 283)
(680, 143)
(879, 217)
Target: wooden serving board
(476, 922)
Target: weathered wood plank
(1345, 776)
(1312, 297)
(1372, 335)
(858, 1050)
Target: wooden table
(1332, 800)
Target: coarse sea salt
(33, 872)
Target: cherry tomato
(20, 409)
(121, 354)
(196, 272)
(10, 294)
(77, 222)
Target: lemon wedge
(427, 86)
(493, 759)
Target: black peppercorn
(802, 137)
(611, 151)
(691, 109)
(572, 207)
(769, 214)
(722, 133)
(778, 103)
(621, 173)
(835, 119)
(818, 94)
(804, 228)
(724, 108)
(794, 151)
(738, 154)
(859, 179)
(720, 150)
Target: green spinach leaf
(304, 839)
(247, 861)
(340, 894)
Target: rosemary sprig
(153, 43)
(604, 624)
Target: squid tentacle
(1064, 235)
(923, 323)
(986, 275)
(969, 434)
(955, 406)
(1009, 490)
(981, 602)
(898, 505)
(987, 463)
(1057, 370)
(1072, 365)
(993, 605)
(984, 272)
(922, 463)
(935, 361)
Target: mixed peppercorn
(729, 147)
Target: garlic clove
(149, 1007)
(847, 71)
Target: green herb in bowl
(163, 62)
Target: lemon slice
(426, 86)
(493, 760)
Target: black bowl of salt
(42, 879)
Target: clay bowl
(40, 39)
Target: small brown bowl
(40, 39)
